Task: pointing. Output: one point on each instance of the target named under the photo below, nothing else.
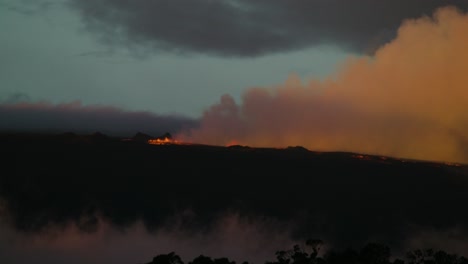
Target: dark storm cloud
(249, 28)
(78, 118)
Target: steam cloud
(250, 28)
(408, 100)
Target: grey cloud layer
(250, 28)
(75, 117)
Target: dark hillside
(54, 179)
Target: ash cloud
(251, 28)
(24, 116)
(408, 100)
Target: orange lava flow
(163, 141)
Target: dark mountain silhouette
(141, 137)
(165, 135)
(345, 198)
(98, 137)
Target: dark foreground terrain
(343, 198)
(310, 253)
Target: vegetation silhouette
(371, 253)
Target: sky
(50, 52)
(380, 77)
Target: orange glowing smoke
(409, 100)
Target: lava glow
(163, 141)
(232, 143)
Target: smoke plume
(408, 100)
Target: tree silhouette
(170, 258)
(429, 256)
(300, 255)
(347, 256)
(374, 253)
(207, 260)
(201, 260)
(371, 253)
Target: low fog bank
(238, 238)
